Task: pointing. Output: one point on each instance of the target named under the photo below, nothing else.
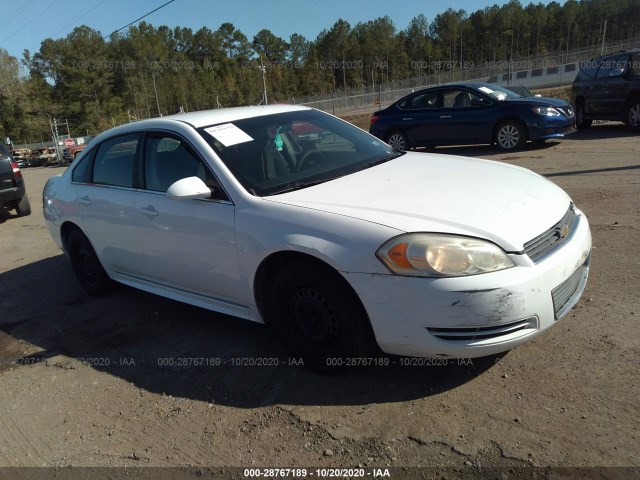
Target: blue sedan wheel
(510, 135)
(398, 141)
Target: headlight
(546, 111)
(440, 255)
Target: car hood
(546, 101)
(421, 192)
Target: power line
(28, 22)
(78, 18)
(138, 19)
(15, 15)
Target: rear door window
(115, 160)
(421, 101)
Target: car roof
(458, 84)
(199, 119)
(613, 54)
(224, 115)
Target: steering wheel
(308, 158)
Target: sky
(24, 24)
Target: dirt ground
(100, 382)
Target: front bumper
(545, 130)
(478, 315)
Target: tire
(510, 135)
(86, 265)
(320, 317)
(398, 141)
(632, 115)
(24, 207)
(581, 122)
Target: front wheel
(510, 135)
(320, 317)
(632, 117)
(87, 266)
(398, 141)
(581, 122)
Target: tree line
(96, 82)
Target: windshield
(272, 154)
(498, 93)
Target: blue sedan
(471, 113)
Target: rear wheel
(86, 265)
(398, 140)
(632, 116)
(581, 121)
(24, 207)
(510, 135)
(320, 317)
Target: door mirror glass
(188, 188)
(616, 72)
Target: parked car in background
(13, 195)
(50, 157)
(37, 158)
(521, 90)
(290, 216)
(21, 156)
(608, 88)
(471, 113)
(70, 153)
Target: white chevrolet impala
(289, 216)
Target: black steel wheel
(87, 266)
(320, 317)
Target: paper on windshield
(228, 134)
(486, 90)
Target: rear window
(4, 153)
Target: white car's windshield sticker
(228, 134)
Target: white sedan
(289, 216)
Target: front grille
(566, 295)
(546, 243)
(466, 334)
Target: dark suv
(12, 192)
(608, 88)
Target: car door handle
(149, 211)
(446, 116)
(407, 118)
(84, 200)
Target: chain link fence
(534, 72)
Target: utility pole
(604, 35)
(264, 81)
(153, 76)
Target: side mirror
(616, 72)
(187, 189)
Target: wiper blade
(383, 160)
(300, 185)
